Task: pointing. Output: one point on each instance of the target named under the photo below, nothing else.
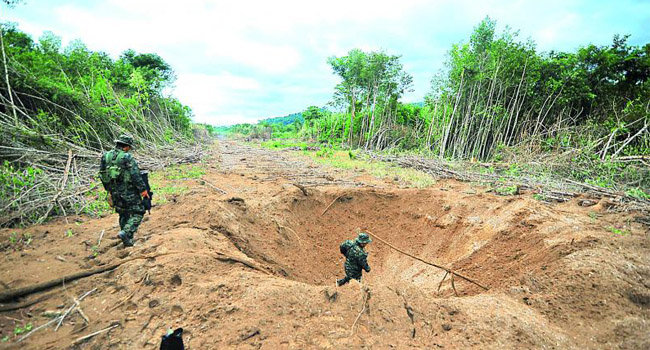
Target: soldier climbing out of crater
(127, 190)
(355, 258)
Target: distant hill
(286, 120)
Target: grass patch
(347, 160)
(637, 193)
(166, 183)
(162, 194)
(540, 197)
(618, 231)
(507, 190)
(20, 330)
(278, 144)
(178, 172)
(19, 241)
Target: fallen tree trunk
(16, 293)
(18, 306)
(13, 294)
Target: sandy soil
(255, 267)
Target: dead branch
(453, 286)
(59, 318)
(302, 188)
(366, 296)
(442, 280)
(231, 259)
(81, 312)
(37, 328)
(74, 305)
(453, 273)
(328, 207)
(13, 294)
(24, 304)
(213, 186)
(99, 241)
(55, 200)
(124, 300)
(146, 276)
(80, 339)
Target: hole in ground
(491, 239)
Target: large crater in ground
(491, 239)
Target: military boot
(125, 240)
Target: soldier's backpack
(113, 170)
(173, 340)
(345, 247)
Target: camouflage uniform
(356, 260)
(125, 190)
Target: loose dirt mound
(255, 268)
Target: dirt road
(254, 267)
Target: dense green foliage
(497, 96)
(60, 107)
(500, 92)
(86, 97)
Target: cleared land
(254, 267)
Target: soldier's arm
(132, 167)
(102, 168)
(363, 260)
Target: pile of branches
(44, 175)
(61, 109)
(56, 182)
(548, 188)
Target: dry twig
(99, 241)
(80, 339)
(213, 186)
(59, 319)
(328, 207)
(366, 295)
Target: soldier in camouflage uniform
(121, 178)
(355, 258)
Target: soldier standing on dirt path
(355, 258)
(121, 178)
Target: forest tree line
(60, 107)
(496, 92)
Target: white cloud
(213, 94)
(555, 30)
(267, 58)
(219, 119)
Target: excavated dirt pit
(298, 238)
(254, 268)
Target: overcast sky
(241, 61)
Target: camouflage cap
(125, 140)
(363, 238)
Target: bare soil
(256, 267)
